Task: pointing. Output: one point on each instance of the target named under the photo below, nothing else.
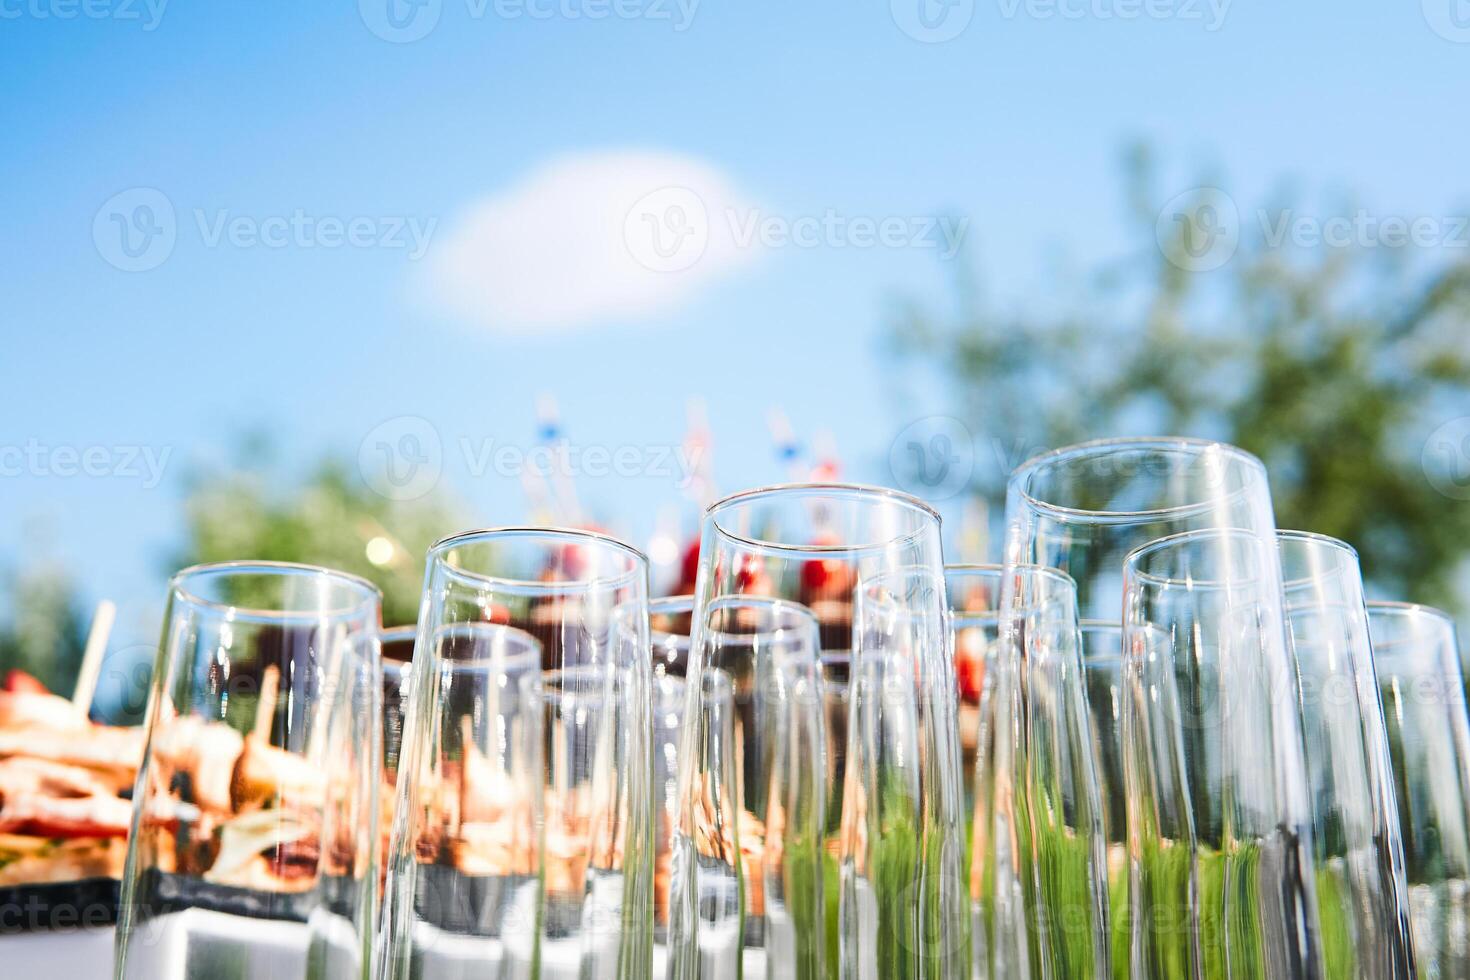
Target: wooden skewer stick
(265, 707)
(91, 667)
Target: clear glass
(1102, 666)
(836, 711)
(1415, 653)
(1361, 893)
(523, 829)
(1038, 874)
(998, 932)
(1084, 510)
(760, 806)
(821, 545)
(1222, 846)
(396, 648)
(668, 619)
(397, 658)
(717, 744)
(253, 850)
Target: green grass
(1335, 917)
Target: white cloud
(587, 238)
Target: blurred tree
(332, 518)
(46, 629)
(1332, 362)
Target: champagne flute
(1084, 509)
(1038, 876)
(523, 829)
(821, 544)
(1359, 852)
(1418, 666)
(1223, 853)
(253, 850)
(759, 806)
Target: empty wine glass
(1223, 854)
(1362, 897)
(759, 828)
(1038, 873)
(1083, 510)
(819, 545)
(896, 895)
(1042, 810)
(717, 794)
(253, 850)
(1418, 665)
(523, 829)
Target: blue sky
(260, 111)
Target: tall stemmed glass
(523, 830)
(253, 850)
(1037, 812)
(1083, 510)
(1362, 895)
(760, 806)
(1221, 842)
(1415, 653)
(823, 545)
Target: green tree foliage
(330, 518)
(1334, 363)
(46, 630)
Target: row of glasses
(538, 827)
(1218, 820)
(890, 861)
(541, 829)
(1232, 675)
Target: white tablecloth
(81, 953)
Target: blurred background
(326, 282)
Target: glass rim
(1000, 570)
(1326, 542)
(551, 534)
(367, 595)
(395, 634)
(1090, 656)
(802, 618)
(801, 614)
(1131, 560)
(513, 662)
(834, 490)
(670, 605)
(1021, 475)
(1400, 607)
